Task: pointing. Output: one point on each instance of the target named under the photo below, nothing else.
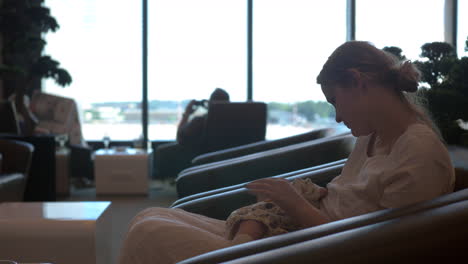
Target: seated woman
(398, 160)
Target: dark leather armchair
(41, 183)
(369, 238)
(242, 185)
(251, 148)
(227, 125)
(230, 124)
(15, 159)
(221, 204)
(430, 235)
(215, 175)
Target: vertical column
(144, 104)
(350, 20)
(249, 50)
(450, 22)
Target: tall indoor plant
(22, 25)
(447, 94)
(445, 89)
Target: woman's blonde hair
(378, 66)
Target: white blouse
(417, 168)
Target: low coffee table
(55, 232)
(122, 171)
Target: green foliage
(447, 97)
(440, 57)
(311, 109)
(395, 51)
(308, 109)
(22, 24)
(466, 44)
(92, 114)
(279, 106)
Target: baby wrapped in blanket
(272, 216)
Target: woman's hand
(283, 194)
(277, 190)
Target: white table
(55, 232)
(122, 171)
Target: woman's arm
(282, 193)
(188, 111)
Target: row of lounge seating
(426, 231)
(258, 163)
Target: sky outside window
(193, 48)
(196, 46)
(292, 40)
(405, 24)
(99, 43)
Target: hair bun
(407, 77)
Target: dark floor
(113, 223)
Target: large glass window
(291, 41)
(405, 24)
(462, 28)
(194, 47)
(99, 43)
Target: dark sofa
(15, 160)
(40, 185)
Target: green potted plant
(447, 93)
(22, 24)
(445, 88)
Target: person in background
(191, 126)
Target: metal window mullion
(350, 20)
(450, 22)
(249, 50)
(144, 104)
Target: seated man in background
(191, 126)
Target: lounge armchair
(430, 235)
(58, 115)
(15, 161)
(263, 164)
(242, 185)
(221, 204)
(227, 125)
(427, 225)
(251, 148)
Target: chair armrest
(310, 235)
(17, 156)
(220, 205)
(259, 146)
(237, 186)
(12, 187)
(40, 185)
(265, 164)
(439, 233)
(172, 158)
